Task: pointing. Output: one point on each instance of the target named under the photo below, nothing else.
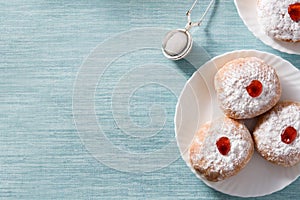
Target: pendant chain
(188, 14)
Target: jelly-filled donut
(276, 135)
(220, 149)
(247, 87)
(280, 19)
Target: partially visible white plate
(197, 104)
(248, 13)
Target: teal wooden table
(87, 100)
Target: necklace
(178, 43)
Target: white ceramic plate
(248, 13)
(197, 104)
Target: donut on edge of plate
(220, 149)
(280, 19)
(276, 136)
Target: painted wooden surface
(43, 43)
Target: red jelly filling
(255, 88)
(294, 11)
(223, 145)
(289, 135)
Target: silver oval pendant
(177, 44)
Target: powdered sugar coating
(231, 82)
(275, 20)
(205, 156)
(267, 134)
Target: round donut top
(280, 18)
(205, 153)
(232, 84)
(268, 134)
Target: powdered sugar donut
(280, 19)
(220, 149)
(276, 135)
(247, 87)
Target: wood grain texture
(42, 45)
